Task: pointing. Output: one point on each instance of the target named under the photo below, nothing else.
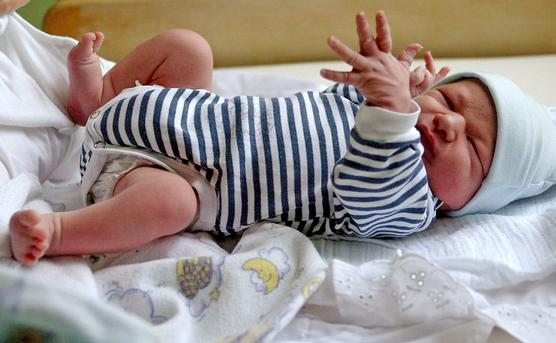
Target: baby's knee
(188, 60)
(180, 207)
(170, 197)
(185, 42)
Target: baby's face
(458, 131)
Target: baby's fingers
(345, 53)
(409, 53)
(367, 44)
(351, 78)
(420, 80)
(441, 74)
(429, 62)
(383, 35)
(417, 76)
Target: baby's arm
(381, 182)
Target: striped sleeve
(380, 185)
(346, 91)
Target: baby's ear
(11, 5)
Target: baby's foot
(31, 234)
(85, 77)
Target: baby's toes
(29, 254)
(29, 238)
(38, 235)
(21, 221)
(28, 259)
(83, 49)
(38, 249)
(97, 43)
(87, 39)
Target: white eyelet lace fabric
(404, 291)
(526, 323)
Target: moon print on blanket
(268, 269)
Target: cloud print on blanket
(135, 300)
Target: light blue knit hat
(524, 162)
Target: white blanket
(506, 261)
(454, 281)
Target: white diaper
(115, 167)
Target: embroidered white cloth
(505, 260)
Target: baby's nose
(450, 125)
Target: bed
(472, 279)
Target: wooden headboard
(278, 31)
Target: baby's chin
(455, 201)
(453, 196)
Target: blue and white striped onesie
(306, 160)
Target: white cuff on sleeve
(376, 123)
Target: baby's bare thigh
(177, 58)
(154, 190)
(151, 176)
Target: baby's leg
(85, 77)
(176, 58)
(148, 203)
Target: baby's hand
(423, 77)
(380, 77)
